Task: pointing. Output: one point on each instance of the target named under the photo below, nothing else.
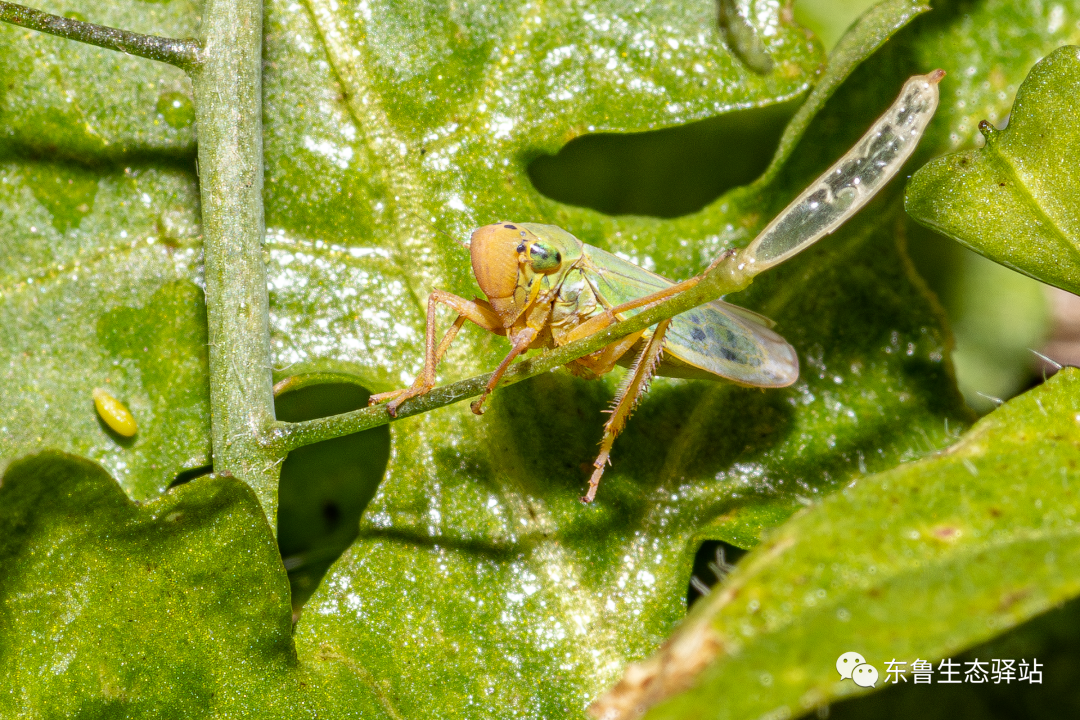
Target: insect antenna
(462, 243)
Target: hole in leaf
(663, 173)
(712, 563)
(324, 487)
(186, 476)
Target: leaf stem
(228, 101)
(181, 53)
(726, 277)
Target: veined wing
(715, 340)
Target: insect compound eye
(543, 258)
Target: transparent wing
(853, 180)
(715, 340)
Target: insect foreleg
(475, 311)
(633, 387)
(522, 338)
(477, 406)
(426, 379)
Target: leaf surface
(918, 562)
(479, 586)
(176, 608)
(1015, 200)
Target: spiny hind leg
(634, 386)
(475, 310)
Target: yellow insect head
(512, 261)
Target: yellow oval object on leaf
(114, 413)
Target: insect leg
(426, 379)
(477, 406)
(652, 298)
(475, 311)
(606, 318)
(604, 360)
(633, 387)
(522, 337)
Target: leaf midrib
(1004, 164)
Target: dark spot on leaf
(698, 334)
(510, 227)
(946, 532)
(186, 476)
(1010, 599)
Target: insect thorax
(575, 302)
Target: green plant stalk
(181, 53)
(727, 276)
(228, 105)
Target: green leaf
(395, 125)
(479, 542)
(65, 99)
(325, 487)
(1015, 200)
(830, 19)
(868, 33)
(478, 585)
(99, 231)
(987, 48)
(170, 609)
(918, 562)
(476, 568)
(1051, 638)
(107, 299)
